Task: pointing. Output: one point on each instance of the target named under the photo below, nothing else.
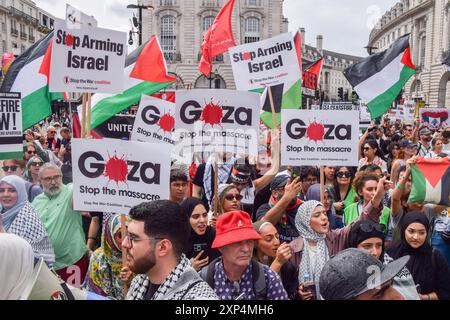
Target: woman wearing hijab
(317, 243)
(314, 194)
(16, 266)
(369, 236)
(105, 275)
(20, 218)
(199, 249)
(429, 269)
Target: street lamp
(140, 7)
(213, 76)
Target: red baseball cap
(232, 227)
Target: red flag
(218, 38)
(298, 48)
(151, 65)
(316, 68)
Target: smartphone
(199, 247)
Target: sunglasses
(343, 174)
(31, 152)
(35, 164)
(369, 227)
(8, 168)
(230, 197)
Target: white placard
(11, 139)
(319, 138)
(265, 63)
(112, 175)
(434, 118)
(155, 121)
(76, 18)
(217, 120)
(87, 59)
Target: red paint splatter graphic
(166, 123)
(246, 56)
(315, 131)
(116, 169)
(212, 114)
(69, 40)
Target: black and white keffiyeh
(224, 170)
(183, 283)
(303, 224)
(29, 226)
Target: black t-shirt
(198, 243)
(286, 229)
(57, 144)
(152, 288)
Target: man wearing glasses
(155, 242)
(54, 143)
(63, 224)
(178, 185)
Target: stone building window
(168, 35)
(252, 30)
(207, 21)
(422, 51)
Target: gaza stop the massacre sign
(265, 63)
(113, 175)
(155, 121)
(311, 138)
(87, 59)
(217, 120)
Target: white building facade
(181, 24)
(22, 24)
(428, 22)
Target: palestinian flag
(145, 73)
(29, 74)
(431, 181)
(285, 96)
(379, 79)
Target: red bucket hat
(232, 227)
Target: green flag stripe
(108, 107)
(11, 155)
(418, 188)
(37, 106)
(379, 106)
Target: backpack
(259, 285)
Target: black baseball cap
(352, 272)
(279, 181)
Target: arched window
(252, 29)
(168, 35)
(207, 22)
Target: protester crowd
(270, 232)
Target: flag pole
(83, 117)
(88, 125)
(322, 185)
(272, 107)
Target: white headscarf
(303, 224)
(16, 266)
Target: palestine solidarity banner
(217, 120)
(431, 181)
(319, 138)
(11, 139)
(155, 121)
(113, 175)
(434, 118)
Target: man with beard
(282, 206)
(63, 224)
(425, 135)
(155, 242)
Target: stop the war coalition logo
(319, 137)
(216, 120)
(115, 175)
(87, 59)
(265, 63)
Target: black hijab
(363, 230)
(420, 263)
(198, 242)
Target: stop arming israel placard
(87, 59)
(217, 120)
(319, 138)
(155, 121)
(11, 139)
(265, 63)
(112, 175)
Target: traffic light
(341, 93)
